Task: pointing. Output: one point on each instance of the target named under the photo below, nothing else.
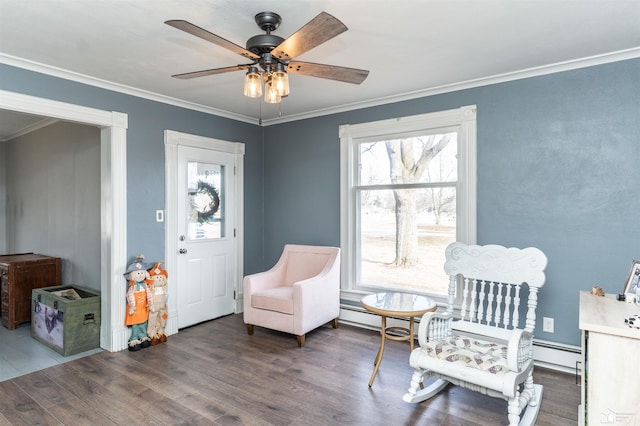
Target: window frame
(462, 119)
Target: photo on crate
(48, 324)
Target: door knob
(182, 251)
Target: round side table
(396, 304)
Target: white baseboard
(546, 354)
(556, 356)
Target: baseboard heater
(556, 356)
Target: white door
(205, 235)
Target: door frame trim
(172, 140)
(113, 201)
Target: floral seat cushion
(473, 353)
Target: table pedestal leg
(380, 351)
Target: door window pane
(205, 203)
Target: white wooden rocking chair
(483, 345)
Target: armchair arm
(434, 326)
(272, 278)
(318, 290)
(519, 349)
(316, 300)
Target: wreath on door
(211, 204)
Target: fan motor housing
(263, 43)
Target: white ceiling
(411, 47)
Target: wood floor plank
(164, 410)
(76, 412)
(42, 389)
(120, 407)
(214, 373)
(19, 408)
(4, 421)
(215, 381)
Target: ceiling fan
(272, 56)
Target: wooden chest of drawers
(19, 274)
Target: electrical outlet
(547, 324)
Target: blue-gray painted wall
(145, 154)
(558, 168)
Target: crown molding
(117, 87)
(469, 84)
(485, 81)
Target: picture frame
(632, 285)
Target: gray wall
(145, 154)
(53, 198)
(557, 169)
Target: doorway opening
(113, 176)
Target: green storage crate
(66, 318)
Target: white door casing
(113, 175)
(203, 259)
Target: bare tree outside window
(407, 197)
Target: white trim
(463, 119)
(172, 140)
(467, 176)
(113, 176)
(479, 82)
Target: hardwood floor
(214, 373)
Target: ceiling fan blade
(203, 73)
(195, 30)
(315, 32)
(331, 72)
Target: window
(407, 191)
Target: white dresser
(610, 362)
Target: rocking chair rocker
(486, 348)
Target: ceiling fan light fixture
(271, 96)
(271, 55)
(253, 83)
(280, 80)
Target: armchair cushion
(279, 299)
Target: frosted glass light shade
(280, 80)
(253, 83)
(271, 96)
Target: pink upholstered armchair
(300, 293)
